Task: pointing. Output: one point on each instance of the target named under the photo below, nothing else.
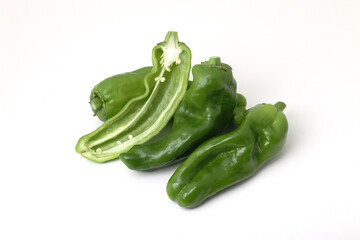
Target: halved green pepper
(206, 109)
(145, 115)
(228, 159)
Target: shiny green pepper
(228, 159)
(145, 115)
(206, 109)
(110, 95)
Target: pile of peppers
(155, 117)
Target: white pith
(171, 53)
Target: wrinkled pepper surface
(145, 115)
(206, 109)
(110, 95)
(239, 110)
(228, 159)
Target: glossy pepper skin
(145, 115)
(110, 95)
(239, 110)
(228, 159)
(206, 109)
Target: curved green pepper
(206, 109)
(230, 158)
(145, 115)
(110, 95)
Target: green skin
(239, 110)
(110, 95)
(146, 115)
(228, 159)
(204, 112)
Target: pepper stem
(215, 61)
(172, 39)
(280, 105)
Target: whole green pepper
(206, 109)
(110, 95)
(145, 115)
(228, 159)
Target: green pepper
(145, 115)
(228, 159)
(110, 95)
(204, 112)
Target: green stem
(172, 39)
(280, 105)
(215, 61)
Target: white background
(303, 52)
